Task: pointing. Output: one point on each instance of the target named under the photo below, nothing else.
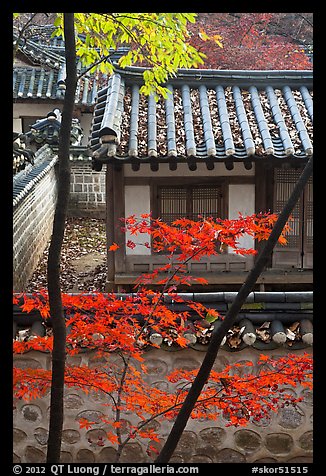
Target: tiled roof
(42, 49)
(210, 115)
(42, 80)
(42, 84)
(22, 156)
(47, 130)
(25, 180)
(266, 321)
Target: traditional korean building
(222, 142)
(39, 81)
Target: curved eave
(240, 77)
(192, 162)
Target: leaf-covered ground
(83, 263)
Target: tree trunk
(53, 271)
(220, 332)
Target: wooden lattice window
(298, 251)
(189, 201)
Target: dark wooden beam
(109, 200)
(119, 212)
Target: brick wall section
(287, 438)
(32, 226)
(87, 190)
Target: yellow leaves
(205, 37)
(217, 39)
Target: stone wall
(87, 190)
(286, 438)
(35, 192)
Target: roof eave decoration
(266, 321)
(221, 116)
(109, 128)
(46, 131)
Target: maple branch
(21, 33)
(165, 288)
(306, 19)
(101, 60)
(230, 317)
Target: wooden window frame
(189, 185)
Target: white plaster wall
(86, 122)
(183, 171)
(41, 110)
(137, 201)
(242, 199)
(24, 110)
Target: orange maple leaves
(119, 329)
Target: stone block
(78, 178)
(34, 455)
(306, 441)
(70, 436)
(132, 453)
(290, 418)
(213, 436)
(227, 455)
(27, 363)
(107, 455)
(91, 415)
(156, 367)
(279, 443)
(187, 443)
(200, 458)
(66, 457)
(85, 456)
(247, 440)
(18, 435)
(96, 436)
(73, 401)
(31, 413)
(41, 435)
(186, 364)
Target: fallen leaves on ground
(82, 237)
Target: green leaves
(211, 317)
(158, 41)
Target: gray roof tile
(278, 321)
(221, 115)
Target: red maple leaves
(247, 42)
(118, 330)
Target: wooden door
(298, 251)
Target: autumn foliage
(119, 330)
(249, 41)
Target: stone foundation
(286, 438)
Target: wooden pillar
(109, 201)
(115, 209)
(264, 183)
(119, 212)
